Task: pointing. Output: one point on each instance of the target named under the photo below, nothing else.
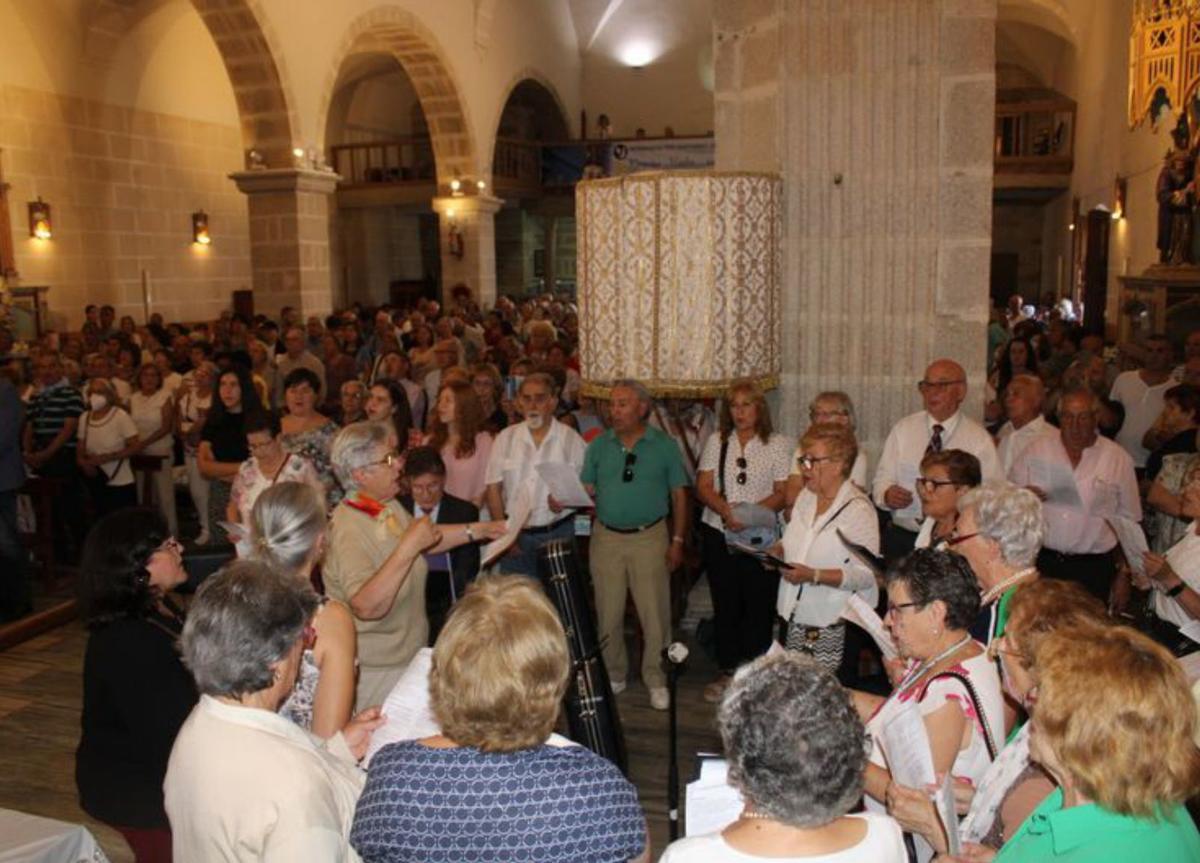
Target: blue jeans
(529, 544)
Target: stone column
(471, 259)
(879, 115)
(289, 238)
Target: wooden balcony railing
(404, 160)
(517, 164)
(1035, 132)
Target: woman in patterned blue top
(489, 788)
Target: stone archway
(248, 50)
(400, 34)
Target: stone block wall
(122, 185)
(878, 114)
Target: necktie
(935, 440)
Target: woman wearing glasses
(374, 564)
(822, 573)
(945, 477)
(932, 600)
(269, 463)
(836, 408)
(744, 463)
(136, 692)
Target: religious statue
(1175, 192)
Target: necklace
(991, 593)
(925, 666)
(761, 816)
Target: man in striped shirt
(49, 440)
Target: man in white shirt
(512, 471)
(1079, 541)
(1141, 392)
(297, 357)
(939, 426)
(1023, 405)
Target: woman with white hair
(287, 531)
(999, 531)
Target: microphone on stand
(674, 655)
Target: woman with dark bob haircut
(136, 692)
(796, 752)
(933, 598)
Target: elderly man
(1141, 392)
(512, 471)
(938, 427)
(374, 563)
(297, 356)
(352, 404)
(445, 355)
(1023, 406)
(637, 476)
(1084, 480)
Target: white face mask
(535, 421)
(97, 401)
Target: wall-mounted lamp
(481, 186)
(1119, 189)
(200, 234)
(456, 188)
(1071, 226)
(39, 220)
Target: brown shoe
(715, 691)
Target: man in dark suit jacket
(449, 572)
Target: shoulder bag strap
(974, 696)
(721, 466)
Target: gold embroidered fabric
(679, 280)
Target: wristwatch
(470, 533)
(1176, 590)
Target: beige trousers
(634, 562)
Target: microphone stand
(675, 655)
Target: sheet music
(862, 615)
(518, 514)
(563, 482)
(1191, 629)
(711, 803)
(906, 745)
(944, 801)
(906, 478)
(406, 708)
(1056, 480)
(1132, 540)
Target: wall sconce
(456, 188)
(39, 220)
(1119, 189)
(454, 237)
(200, 235)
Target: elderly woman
(374, 564)
(244, 782)
(288, 531)
(832, 407)
(745, 464)
(999, 531)
(108, 438)
(136, 692)
(1174, 577)
(795, 750)
(932, 599)
(500, 792)
(269, 463)
(1012, 786)
(945, 477)
(306, 431)
(1102, 696)
(822, 574)
(152, 408)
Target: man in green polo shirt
(636, 474)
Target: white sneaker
(618, 686)
(660, 697)
(202, 538)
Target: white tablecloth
(32, 839)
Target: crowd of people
(359, 462)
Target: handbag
(755, 535)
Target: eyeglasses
(741, 477)
(808, 462)
(925, 386)
(956, 540)
(391, 460)
(930, 484)
(817, 416)
(630, 461)
(895, 608)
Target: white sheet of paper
(944, 801)
(906, 746)
(862, 615)
(1056, 480)
(562, 480)
(1133, 541)
(518, 514)
(406, 708)
(906, 478)
(1192, 630)
(711, 803)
